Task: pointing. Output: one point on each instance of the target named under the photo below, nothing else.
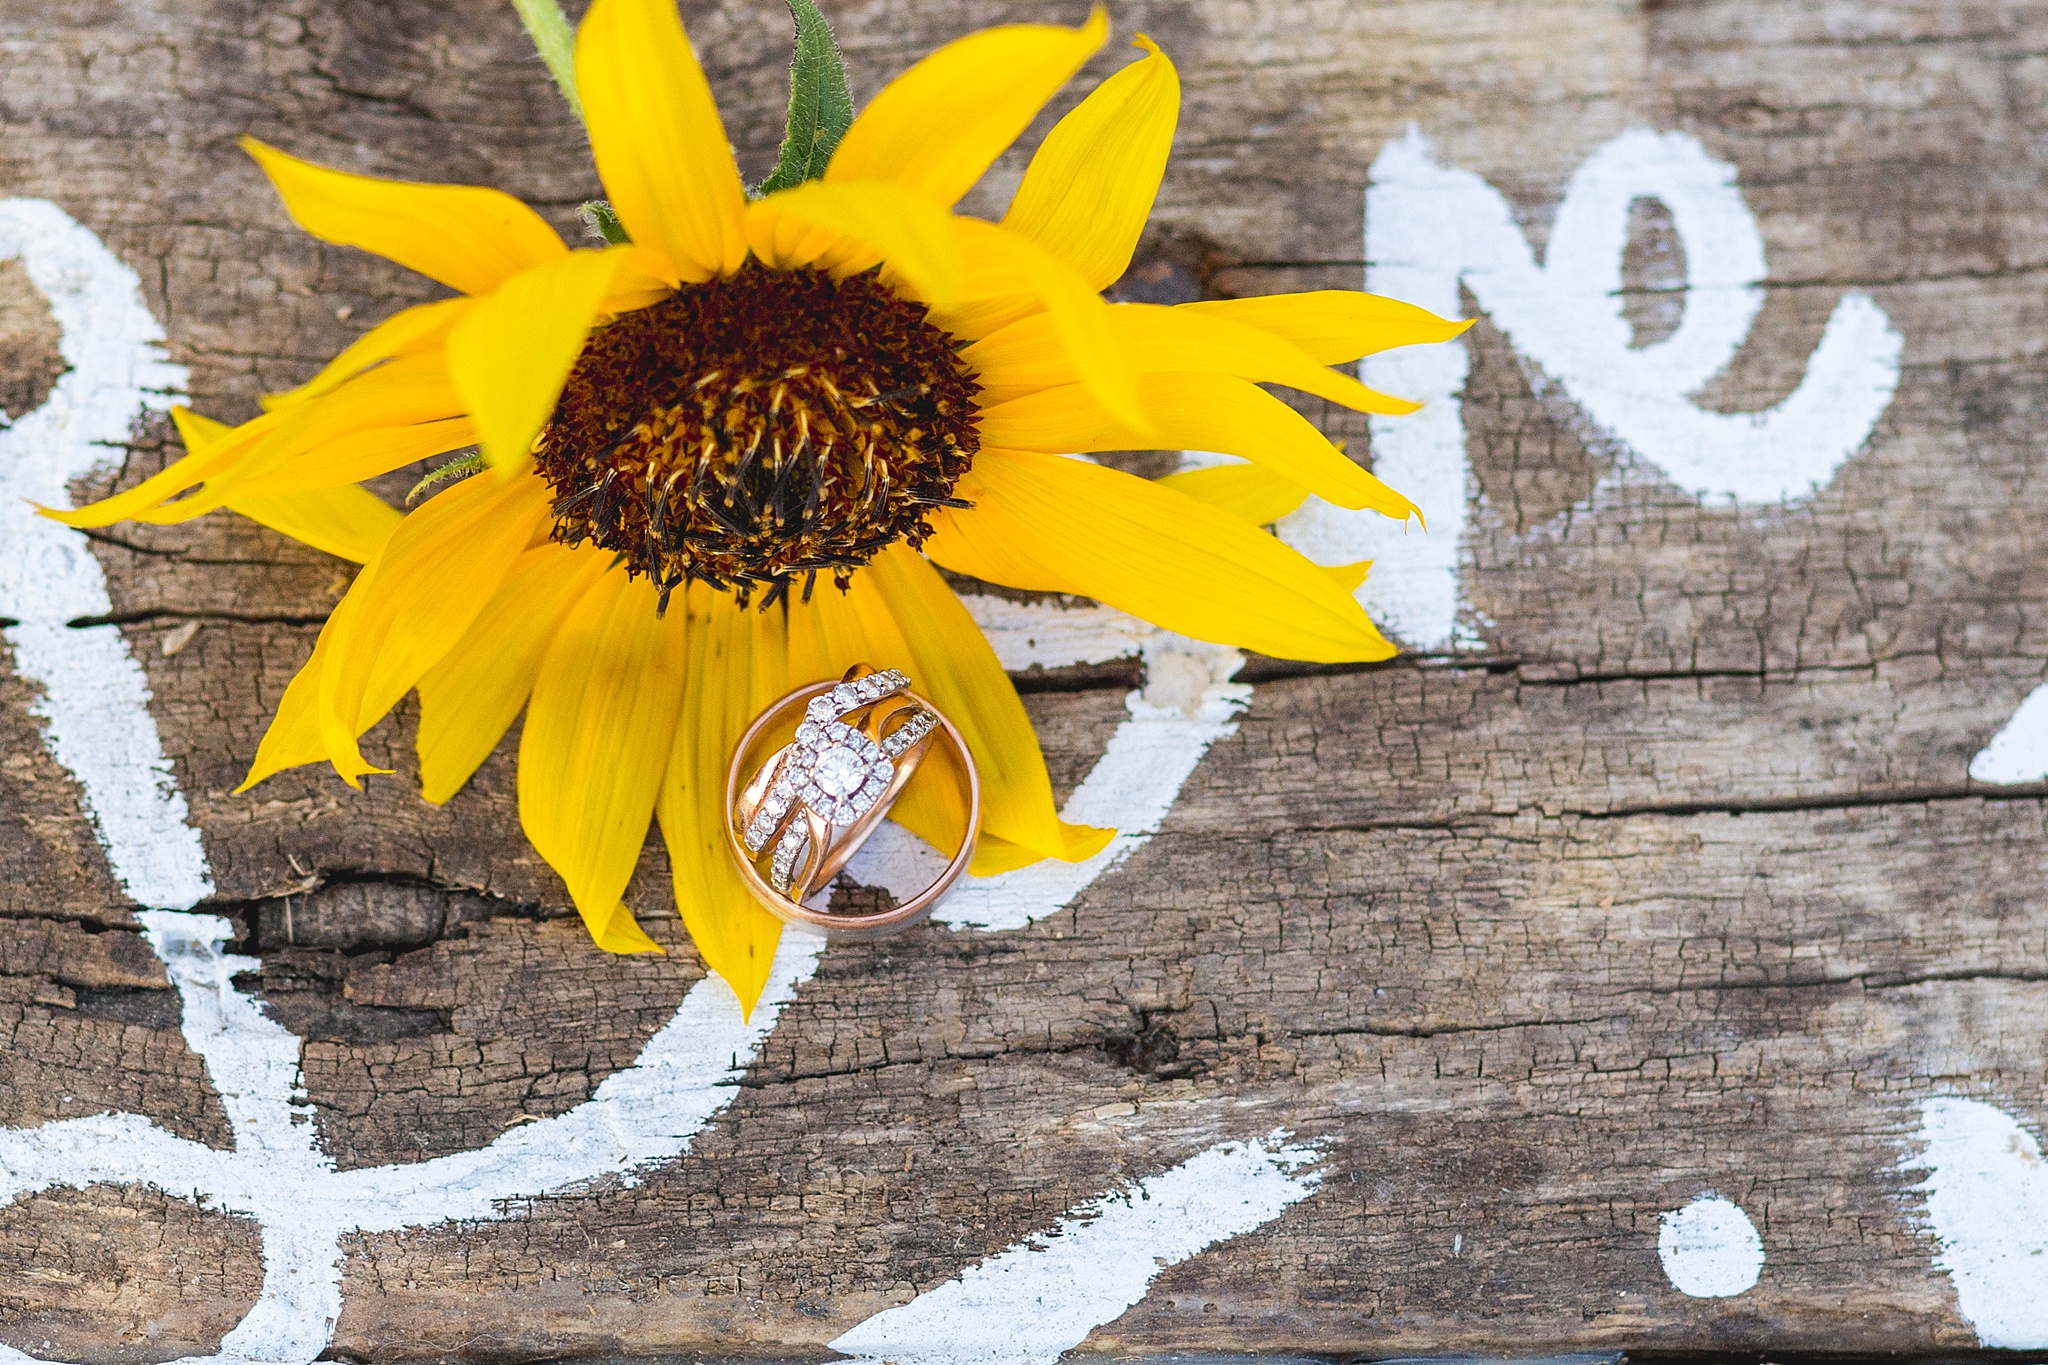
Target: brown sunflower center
(757, 429)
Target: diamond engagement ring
(798, 804)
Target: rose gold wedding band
(813, 777)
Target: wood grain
(1676, 882)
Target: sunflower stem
(556, 43)
(820, 105)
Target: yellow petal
(783, 241)
(595, 746)
(1334, 326)
(352, 458)
(466, 236)
(1160, 339)
(967, 544)
(1041, 520)
(939, 125)
(1247, 491)
(621, 933)
(413, 331)
(293, 738)
(737, 664)
(951, 663)
(349, 522)
(471, 697)
(1178, 339)
(1195, 412)
(994, 856)
(1089, 188)
(1000, 265)
(661, 150)
(397, 394)
(196, 429)
(511, 355)
(1349, 578)
(287, 473)
(414, 600)
(827, 636)
(644, 278)
(211, 448)
(914, 236)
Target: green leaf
(599, 216)
(460, 468)
(820, 105)
(556, 43)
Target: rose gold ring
(811, 780)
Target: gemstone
(840, 771)
(909, 733)
(758, 832)
(795, 841)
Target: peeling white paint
(1430, 228)
(1049, 635)
(1987, 1204)
(1710, 1249)
(648, 1112)
(277, 1174)
(2019, 751)
(1041, 1298)
(95, 705)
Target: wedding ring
(813, 777)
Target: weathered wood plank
(1671, 879)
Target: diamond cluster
(836, 770)
(900, 740)
(789, 851)
(832, 768)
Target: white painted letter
(95, 697)
(1031, 1304)
(1430, 228)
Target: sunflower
(720, 455)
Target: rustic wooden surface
(1674, 882)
